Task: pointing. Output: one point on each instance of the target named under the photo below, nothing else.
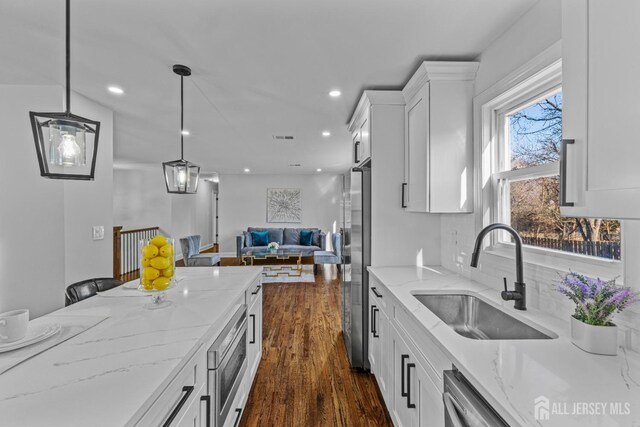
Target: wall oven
(226, 365)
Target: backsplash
(457, 240)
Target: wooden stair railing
(125, 250)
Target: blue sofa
(287, 238)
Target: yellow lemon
(145, 262)
(150, 273)
(146, 284)
(150, 251)
(166, 251)
(159, 241)
(161, 283)
(160, 262)
(168, 272)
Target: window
(526, 181)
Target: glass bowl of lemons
(157, 268)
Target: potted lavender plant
(596, 302)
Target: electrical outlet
(98, 232)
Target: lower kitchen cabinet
(379, 342)
(416, 400)
(195, 415)
(254, 329)
(405, 373)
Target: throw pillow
(260, 238)
(306, 237)
(247, 239)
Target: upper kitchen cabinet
(599, 169)
(438, 151)
(360, 124)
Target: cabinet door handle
(563, 172)
(404, 196)
(256, 290)
(357, 152)
(409, 404)
(207, 399)
(253, 329)
(238, 416)
(375, 323)
(373, 307)
(403, 358)
(186, 390)
(375, 292)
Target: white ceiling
(259, 68)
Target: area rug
(288, 274)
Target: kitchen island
(127, 370)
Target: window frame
(533, 85)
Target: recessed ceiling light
(247, 170)
(116, 90)
(326, 133)
(318, 170)
(186, 133)
(335, 93)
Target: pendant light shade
(66, 144)
(181, 176)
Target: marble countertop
(583, 389)
(110, 374)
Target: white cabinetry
(416, 400)
(195, 414)
(438, 152)
(601, 62)
(361, 136)
(379, 348)
(179, 400)
(185, 402)
(407, 376)
(254, 328)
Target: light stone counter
(111, 374)
(511, 374)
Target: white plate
(34, 335)
(132, 284)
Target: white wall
(243, 203)
(89, 203)
(140, 199)
(45, 225)
(534, 33)
(398, 237)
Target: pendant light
(181, 176)
(64, 141)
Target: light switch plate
(98, 232)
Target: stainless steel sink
(473, 318)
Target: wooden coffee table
(281, 257)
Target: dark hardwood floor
(304, 377)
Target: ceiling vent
(295, 165)
(283, 137)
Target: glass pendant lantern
(65, 141)
(181, 176)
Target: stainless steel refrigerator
(356, 230)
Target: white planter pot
(594, 339)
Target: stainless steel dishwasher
(464, 406)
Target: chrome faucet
(519, 295)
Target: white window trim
(540, 75)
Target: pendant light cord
(68, 53)
(181, 117)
